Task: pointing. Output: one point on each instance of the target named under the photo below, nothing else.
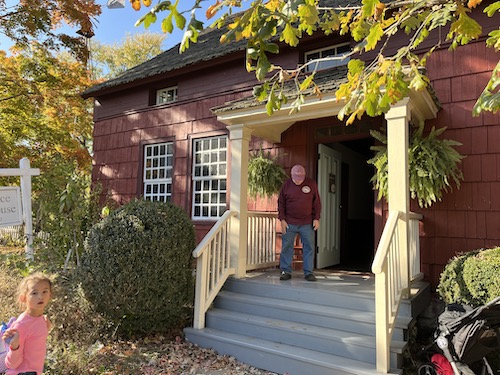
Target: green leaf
(465, 29)
(494, 40)
(167, 25)
(368, 8)
(376, 33)
(146, 19)
(371, 104)
(410, 24)
(492, 8)
(263, 67)
(306, 83)
(418, 82)
(290, 35)
(180, 21)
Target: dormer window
(166, 95)
(338, 51)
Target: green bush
(136, 267)
(472, 278)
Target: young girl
(28, 334)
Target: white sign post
(25, 171)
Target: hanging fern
(433, 164)
(265, 176)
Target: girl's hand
(13, 335)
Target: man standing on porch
(299, 209)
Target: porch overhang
(422, 105)
(270, 127)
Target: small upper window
(166, 95)
(339, 52)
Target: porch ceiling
(248, 112)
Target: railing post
(239, 136)
(201, 292)
(399, 183)
(381, 323)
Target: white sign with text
(10, 206)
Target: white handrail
(390, 284)
(213, 266)
(388, 289)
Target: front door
(329, 167)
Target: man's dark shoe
(285, 276)
(310, 277)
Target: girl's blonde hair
(34, 278)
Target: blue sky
(113, 24)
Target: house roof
(328, 81)
(207, 48)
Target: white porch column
(239, 137)
(398, 118)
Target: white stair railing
(414, 234)
(213, 266)
(390, 285)
(261, 250)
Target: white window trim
(334, 62)
(159, 92)
(152, 168)
(207, 157)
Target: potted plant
(265, 175)
(433, 164)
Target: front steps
(303, 328)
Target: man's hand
(315, 224)
(284, 226)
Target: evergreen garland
(433, 163)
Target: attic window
(166, 95)
(337, 51)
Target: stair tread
(317, 331)
(289, 351)
(334, 311)
(319, 309)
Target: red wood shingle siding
(467, 218)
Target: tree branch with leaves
(372, 86)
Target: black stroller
(465, 336)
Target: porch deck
(340, 281)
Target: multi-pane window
(166, 95)
(209, 177)
(337, 51)
(158, 161)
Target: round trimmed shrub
(137, 267)
(472, 278)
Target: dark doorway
(357, 205)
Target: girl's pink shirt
(30, 356)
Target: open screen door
(329, 168)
